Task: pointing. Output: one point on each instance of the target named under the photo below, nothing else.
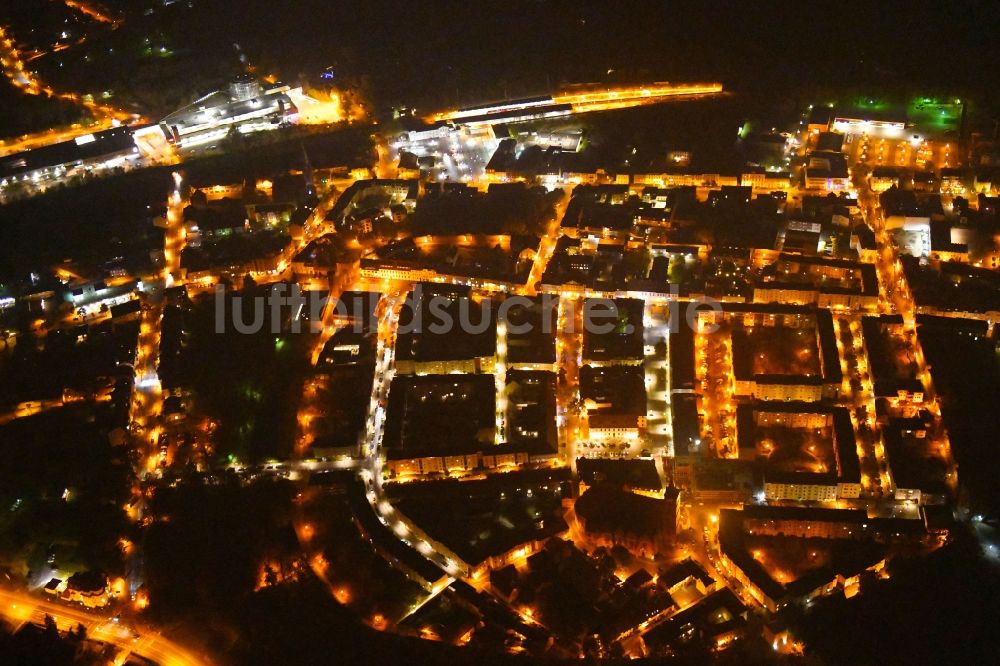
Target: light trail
(92, 12)
(623, 98)
(582, 100)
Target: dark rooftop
(636, 473)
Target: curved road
(20, 607)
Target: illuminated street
(20, 608)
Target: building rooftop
(607, 509)
(750, 362)
(718, 613)
(625, 339)
(347, 347)
(682, 371)
(615, 389)
(847, 557)
(820, 115)
(946, 237)
(82, 149)
(826, 164)
(88, 582)
(127, 308)
(531, 410)
(637, 473)
(865, 235)
(425, 333)
(683, 570)
(684, 410)
(907, 447)
(538, 343)
(796, 458)
(833, 276)
(588, 215)
(435, 415)
(892, 367)
(832, 141)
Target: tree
(235, 139)
(635, 263)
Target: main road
(21, 607)
(13, 68)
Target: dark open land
(21, 113)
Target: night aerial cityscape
(514, 332)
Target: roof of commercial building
(520, 101)
(85, 148)
(816, 207)
(358, 306)
(415, 124)
(833, 141)
(826, 164)
(221, 105)
(515, 115)
(347, 347)
(124, 309)
(897, 201)
(820, 115)
(89, 581)
(941, 238)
